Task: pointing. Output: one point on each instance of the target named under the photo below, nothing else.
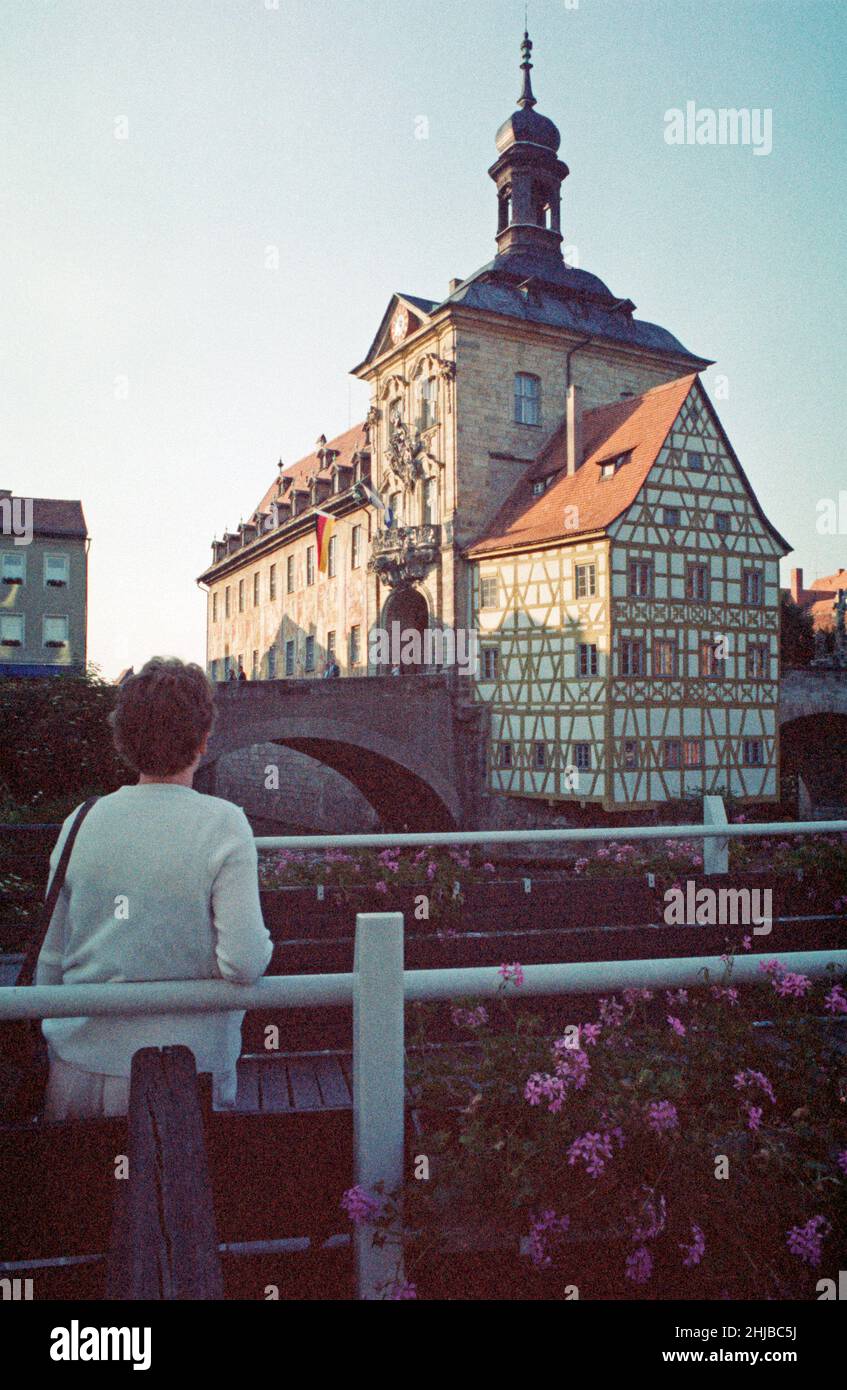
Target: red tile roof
(638, 427)
(300, 474)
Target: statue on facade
(404, 454)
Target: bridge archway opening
(815, 748)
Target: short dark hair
(162, 716)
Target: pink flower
(747, 943)
(841, 1160)
(513, 972)
(359, 1205)
(489, 868)
(611, 1013)
(754, 1079)
(403, 1290)
(694, 1252)
(836, 1001)
(805, 1241)
(676, 996)
(431, 870)
(589, 1033)
(639, 1265)
(632, 996)
(754, 1117)
(770, 967)
(662, 1115)
(545, 1233)
(571, 1065)
(677, 1025)
(381, 887)
(790, 985)
(542, 1086)
(721, 992)
(592, 1150)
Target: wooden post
(378, 1086)
(164, 1238)
(715, 851)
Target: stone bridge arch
(394, 738)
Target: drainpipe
(573, 412)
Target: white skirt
(75, 1094)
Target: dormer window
(610, 466)
(540, 485)
(527, 399)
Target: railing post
(715, 851)
(378, 1086)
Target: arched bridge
(412, 744)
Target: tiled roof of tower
(55, 516)
(300, 474)
(637, 427)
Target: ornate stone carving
(402, 555)
(405, 454)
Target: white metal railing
(379, 986)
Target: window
(710, 663)
(289, 575)
(608, 469)
(640, 579)
(758, 660)
(289, 658)
(540, 485)
(11, 630)
(310, 564)
(527, 399)
(429, 399)
(330, 646)
(695, 461)
(331, 562)
(241, 595)
(692, 752)
(14, 567)
(582, 756)
(56, 571)
(55, 632)
(722, 523)
(489, 591)
(226, 601)
(214, 608)
(356, 547)
(754, 752)
(310, 653)
(671, 516)
(256, 589)
(586, 581)
(490, 663)
(254, 666)
(272, 583)
(630, 753)
(539, 756)
(587, 659)
(355, 645)
(664, 657)
(271, 663)
(395, 509)
(506, 755)
(673, 753)
(754, 588)
(696, 581)
(430, 502)
(632, 656)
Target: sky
(207, 204)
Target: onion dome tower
(529, 176)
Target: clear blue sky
(153, 366)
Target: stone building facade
(43, 586)
(485, 405)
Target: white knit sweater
(162, 885)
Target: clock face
(399, 324)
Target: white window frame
(19, 618)
(18, 555)
(527, 404)
(66, 559)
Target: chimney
(797, 585)
(454, 285)
(574, 429)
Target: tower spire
(526, 97)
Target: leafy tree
(797, 646)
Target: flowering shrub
(630, 1158)
(440, 874)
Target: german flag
(325, 528)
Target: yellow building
(542, 467)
